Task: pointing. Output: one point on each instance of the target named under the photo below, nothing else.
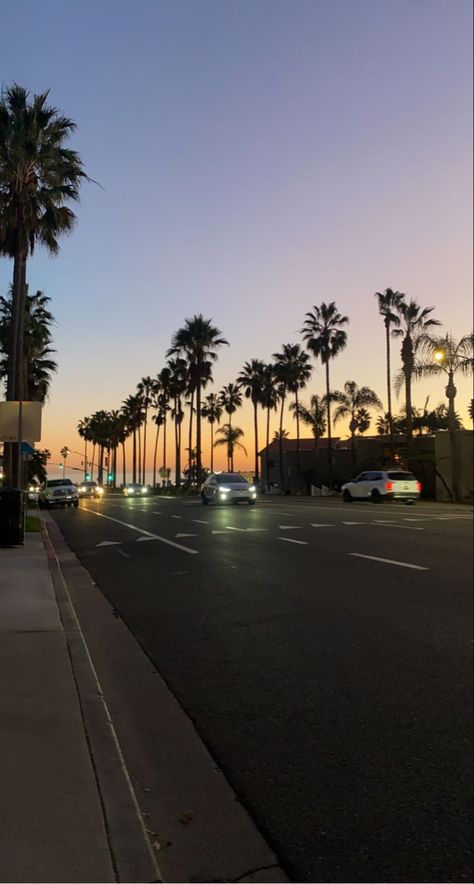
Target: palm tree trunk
(255, 427)
(144, 443)
(178, 456)
(124, 471)
(198, 433)
(212, 446)
(451, 395)
(280, 446)
(297, 436)
(190, 463)
(389, 396)
(407, 362)
(177, 459)
(328, 407)
(15, 363)
(155, 454)
(164, 449)
(267, 461)
(134, 455)
(93, 460)
(139, 453)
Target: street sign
(26, 448)
(30, 420)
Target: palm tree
(313, 416)
(146, 389)
(350, 403)
(65, 452)
(212, 410)
(280, 434)
(283, 379)
(178, 384)
(230, 438)
(445, 355)
(198, 340)
(389, 303)
(470, 409)
(133, 412)
(416, 323)
(250, 380)
(83, 429)
(269, 401)
(164, 381)
(363, 419)
(299, 373)
(230, 399)
(325, 338)
(39, 176)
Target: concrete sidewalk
(53, 826)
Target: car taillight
(418, 486)
(388, 486)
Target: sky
(254, 160)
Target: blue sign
(26, 448)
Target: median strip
(147, 534)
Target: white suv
(227, 488)
(378, 485)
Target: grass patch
(33, 523)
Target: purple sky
(257, 158)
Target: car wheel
(204, 500)
(251, 502)
(376, 497)
(347, 496)
(76, 504)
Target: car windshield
(53, 483)
(230, 478)
(402, 477)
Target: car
(379, 485)
(227, 488)
(33, 492)
(134, 489)
(58, 492)
(90, 489)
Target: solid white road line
(291, 540)
(148, 534)
(390, 562)
(406, 527)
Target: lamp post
(440, 357)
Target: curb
(131, 852)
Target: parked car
(90, 489)
(227, 488)
(134, 489)
(58, 492)
(33, 492)
(379, 485)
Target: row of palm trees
(193, 353)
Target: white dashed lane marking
(146, 535)
(291, 540)
(389, 562)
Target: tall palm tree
(132, 409)
(416, 324)
(283, 379)
(39, 176)
(65, 452)
(230, 438)
(230, 398)
(298, 373)
(146, 389)
(212, 410)
(363, 419)
(313, 415)
(446, 356)
(198, 341)
(349, 404)
(250, 380)
(164, 380)
(179, 383)
(389, 303)
(325, 338)
(83, 429)
(269, 402)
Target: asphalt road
(323, 651)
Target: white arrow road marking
(318, 525)
(390, 562)
(288, 527)
(354, 523)
(185, 535)
(144, 539)
(109, 543)
(146, 534)
(219, 532)
(290, 540)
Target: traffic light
(110, 476)
(61, 465)
(88, 475)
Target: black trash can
(12, 516)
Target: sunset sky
(255, 158)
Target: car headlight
(144, 490)
(99, 491)
(224, 490)
(252, 488)
(129, 490)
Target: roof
(290, 445)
